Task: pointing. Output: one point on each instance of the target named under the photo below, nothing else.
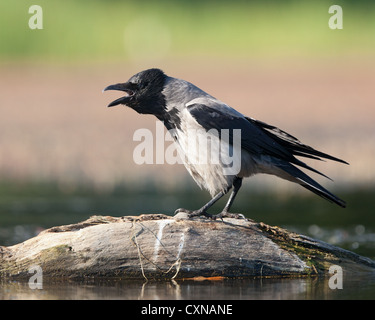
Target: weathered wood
(160, 246)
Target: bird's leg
(203, 211)
(237, 183)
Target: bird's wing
(291, 143)
(258, 138)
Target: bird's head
(143, 92)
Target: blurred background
(64, 156)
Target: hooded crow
(255, 146)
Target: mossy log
(157, 246)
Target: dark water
(358, 287)
(25, 210)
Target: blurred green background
(103, 30)
(65, 157)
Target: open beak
(120, 87)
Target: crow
(236, 146)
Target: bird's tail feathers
(305, 181)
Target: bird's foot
(226, 214)
(200, 212)
(193, 213)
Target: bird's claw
(225, 214)
(199, 213)
(193, 213)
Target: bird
(258, 148)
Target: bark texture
(157, 246)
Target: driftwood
(159, 246)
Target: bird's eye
(133, 85)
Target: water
(358, 287)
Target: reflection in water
(231, 289)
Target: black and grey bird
(184, 108)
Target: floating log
(157, 246)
